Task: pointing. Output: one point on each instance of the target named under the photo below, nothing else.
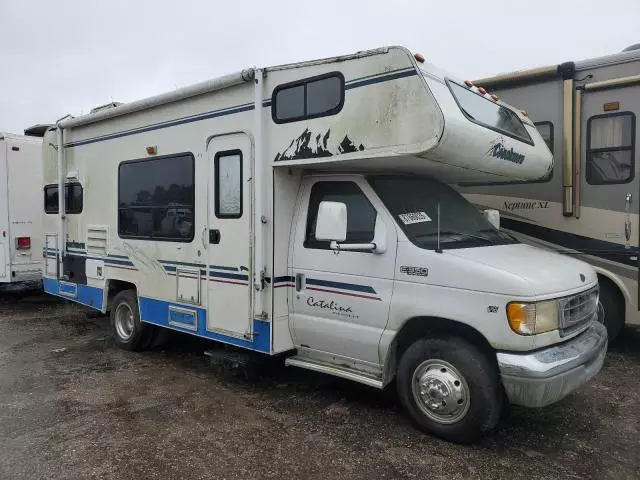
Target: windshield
(488, 113)
(413, 201)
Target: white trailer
(300, 210)
(588, 206)
(20, 207)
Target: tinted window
(361, 216)
(310, 98)
(156, 198)
(229, 184)
(546, 132)
(488, 113)
(73, 199)
(610, 148)
(290, 103)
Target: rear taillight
(23, 243)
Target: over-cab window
(73, 198)
(310, 98)
(156, 198)
(611, 148)
(488, 113)
(361, 216)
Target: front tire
(450, 388)
(611, 308)
(128, 331)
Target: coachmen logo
(498, 151)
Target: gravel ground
(72, 405)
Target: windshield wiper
(453, 232)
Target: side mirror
(331, 223)
(493, 216)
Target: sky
(69, 56)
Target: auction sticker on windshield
(414, 217)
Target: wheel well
(614, 289)
(116, 286)
(419, 327)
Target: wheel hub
(441, 391)
(124, 321)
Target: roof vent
(635, 46)
(106, 106)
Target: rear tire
(611, 308)
(128, 331)
(450, 388)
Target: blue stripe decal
(186, 264)
(86, 295)
(171, 123)
(234, 276)
(220, 267)
(157, 312)
(344, 286)
(370, 81)
(283, 279)
(358, 82)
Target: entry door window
(228, 188)
(610, 148)
(361, 216)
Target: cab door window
(361, 216)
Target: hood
(545, 272)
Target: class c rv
(588, 205)
(304, 211)
(20, 206)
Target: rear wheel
(449, 388)
(128, 331)
(611, 308)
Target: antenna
(438, 249)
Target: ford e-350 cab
(304, 210)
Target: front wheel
(450, 388)
(611, 308)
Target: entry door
(228, 235)
(341, 299)
(610, 193)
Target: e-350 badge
(416, 271)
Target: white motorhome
(302, 210)
(588, 206)
(20, 206)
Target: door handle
(205, 244)
(214, 236)
(300, 283)
(627, 222)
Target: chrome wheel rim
(124, 321)
(440, 391)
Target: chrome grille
(578, 310)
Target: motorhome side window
(488, 113)
(73, 199)
(311, 98)
(610, 148)
(361, 216)
(228, 184)
(546, 132)
(156, 198)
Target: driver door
(341, 299)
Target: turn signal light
(419, 57)
(23, 243)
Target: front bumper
(545, 376)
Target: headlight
(533, 318)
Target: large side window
(610, 148)
(361, 216)
(228, 178)
(156, 198)
(310, 98)
(546, 132)
(73, 199)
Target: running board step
(316, 366)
